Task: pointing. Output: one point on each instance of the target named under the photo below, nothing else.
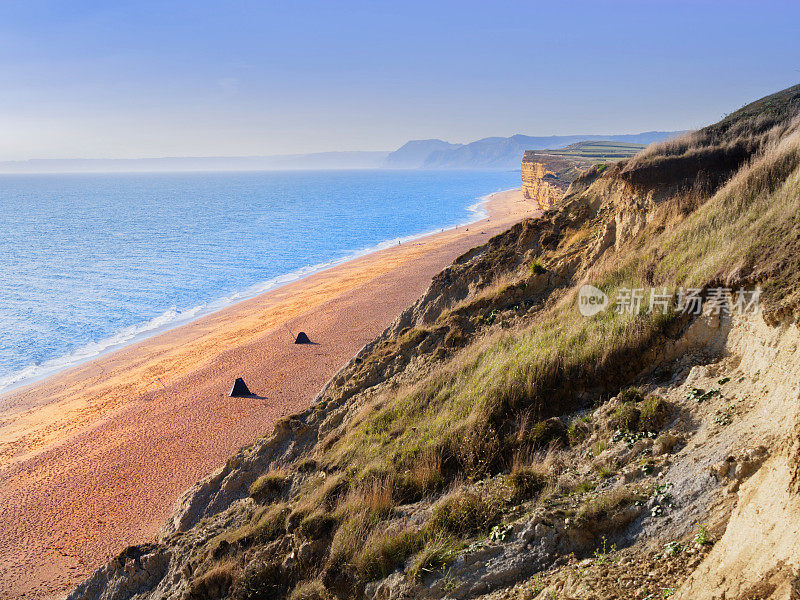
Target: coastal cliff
(539, 183)
(497, 442)
(546, 174)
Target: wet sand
(92, 459)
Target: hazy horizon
(300, 154)
(150, 79)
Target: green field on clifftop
(591, 152)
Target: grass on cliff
(746, 232)
(597, 152)
(485, 404)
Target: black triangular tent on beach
(239, 389)
(302, 338)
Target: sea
(92, 262)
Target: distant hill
(412, 155)
(506, 153)
(487, 153)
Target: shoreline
(93, 458)
(140, 332)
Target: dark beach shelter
(302, 338)
(239, 389)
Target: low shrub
(625, 417)
(654, 413)
(527, 482)
(649, 415)
(463, 513)
(310, 590)
(385, 551)
(437, 552)
(269, 486)
(537, 268)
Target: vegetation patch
(385, 551)
(269, 486)
(537, 268)
(654, 412)
(317, 525)
(463, 513)
(607, 509)
(529, 481)
(626, 417)
(437, 552)
(310, 590)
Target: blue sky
(199, 78)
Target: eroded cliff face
(545, 178)
(538, 184)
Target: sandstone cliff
(541, 184)
(546, 174)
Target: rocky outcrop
(539, 184)
(545, 178)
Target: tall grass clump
(464, 513)
(385, 551)
(437, 552)
(270, 485)
(310, 590)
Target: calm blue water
(91, 262)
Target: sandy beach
(92, 459)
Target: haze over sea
(89, 263)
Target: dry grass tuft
(384, 551)
(270, 486)
(376, 496)
(215, 583)
(463, 513)
(310, 590)
(437, 552)
(531, 475)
